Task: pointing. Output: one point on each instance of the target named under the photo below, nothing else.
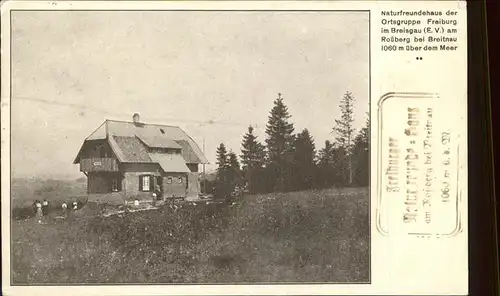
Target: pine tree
(222, 186)
(364, 133)
(252, 158)
(324, 154)
(325, 165)
(234, 170)
(341, 162)
(361, 155)
(233, 162)
(304, 161)
(222, 160)
(330, 162)
(345, 131)
(252, 151)
(279, 144)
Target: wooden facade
(104, 182)
(107, 177)
(123, 162)
(99, 165)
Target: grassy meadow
(314, 236)
(24, 191)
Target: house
(130, 160)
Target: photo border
(370, 184)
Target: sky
(211, 73)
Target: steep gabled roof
(188, 153)
(129, 149)
(158, 142)
(130, 141)
(99, 133)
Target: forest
(288, 160)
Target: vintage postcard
(234, 147)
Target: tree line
(288, 161)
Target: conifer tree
(234, 170)
(222, 160)
(345, 132)
(361, 155)
(222, 186)
(325, 165)
(304, 161)
(279, 144)
(324, 154)
(330, 163)
(233, 162)
(252, 159)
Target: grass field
(316, 236)
(25, 191)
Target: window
(145, 183)
(116, 183)
(180, 180)
(169, 180)
(162, 131)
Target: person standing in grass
(64, 207)
(39, 213)
(35, 209)
(45, 207)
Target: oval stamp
(418, 167)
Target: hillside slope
(317, 236)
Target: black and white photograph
(189, 147)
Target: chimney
(136, 118)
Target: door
(159, 183)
